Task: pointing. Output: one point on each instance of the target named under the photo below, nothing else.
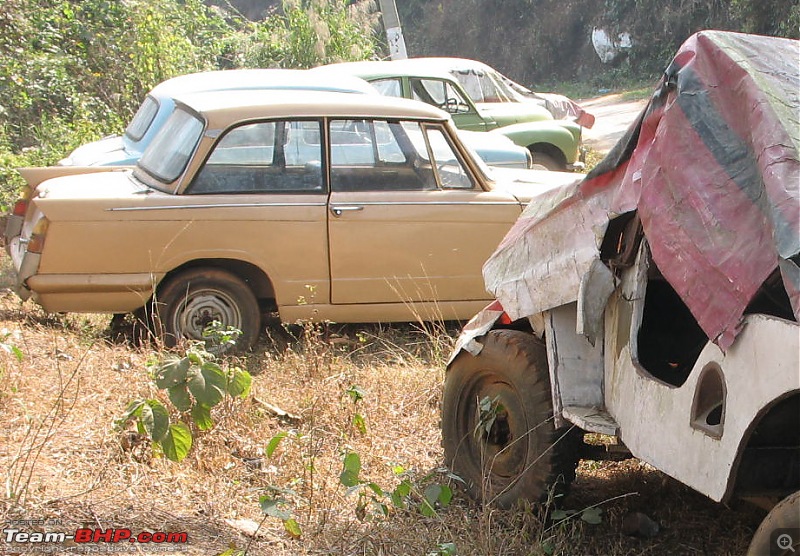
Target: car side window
(480, 86)
(440, 93)
(449, 169)
(282, 156)
(390, 87)
(379, 155)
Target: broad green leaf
(179, 396)
(172, 373)
(195, 357)
(432, 493)
(207, 384)
(403, 489)
(352, 467)
(239, 384)
(293, 528)
(134, 409)
(272, 445)
(561, 514)
(155, 419)
(274, 507)
(201, 415)
(592, 516)
(397, 500)
(177, 442)
(375, 488)
(445, 496)
(426, 509)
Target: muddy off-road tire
(522, 456)
(768, 540)
(188, 302)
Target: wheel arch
(775, 428)
(255, 278)
(550, 150)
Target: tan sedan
(316, 205)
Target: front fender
(477, 327)
(563, 135)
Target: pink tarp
(712, 168)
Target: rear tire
(546, 162)
(522, 456)
(188, 302)
(785, 515)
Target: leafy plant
(276, 504)
(277, 501)
(195, 383)
(407, 494)
(488, 411)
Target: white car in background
(125, 149)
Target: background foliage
(72, 71)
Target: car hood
(526, 185)
(507, 113)
(109, 151)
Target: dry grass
(60, 458)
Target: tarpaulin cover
(711, 165)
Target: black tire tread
(557, 465)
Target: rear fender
(36, 175)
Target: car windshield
(142, 119)
(166, 157)
(484, 86)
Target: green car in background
(554, 144)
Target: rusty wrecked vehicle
(668, 316)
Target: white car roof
(259, 79)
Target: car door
(261, 198)
(407, 222)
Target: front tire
(511, 452)
(188, 302)
(768, 540)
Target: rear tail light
(36, 241)
(20, 207)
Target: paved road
(613, 116)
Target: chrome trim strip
(438, 203)
(369, 203)
(220, 205)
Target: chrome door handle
(337, 210)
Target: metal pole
(394, 34)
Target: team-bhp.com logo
(85, 537)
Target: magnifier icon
(784, 542)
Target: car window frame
(138, 137)
(323, 159)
